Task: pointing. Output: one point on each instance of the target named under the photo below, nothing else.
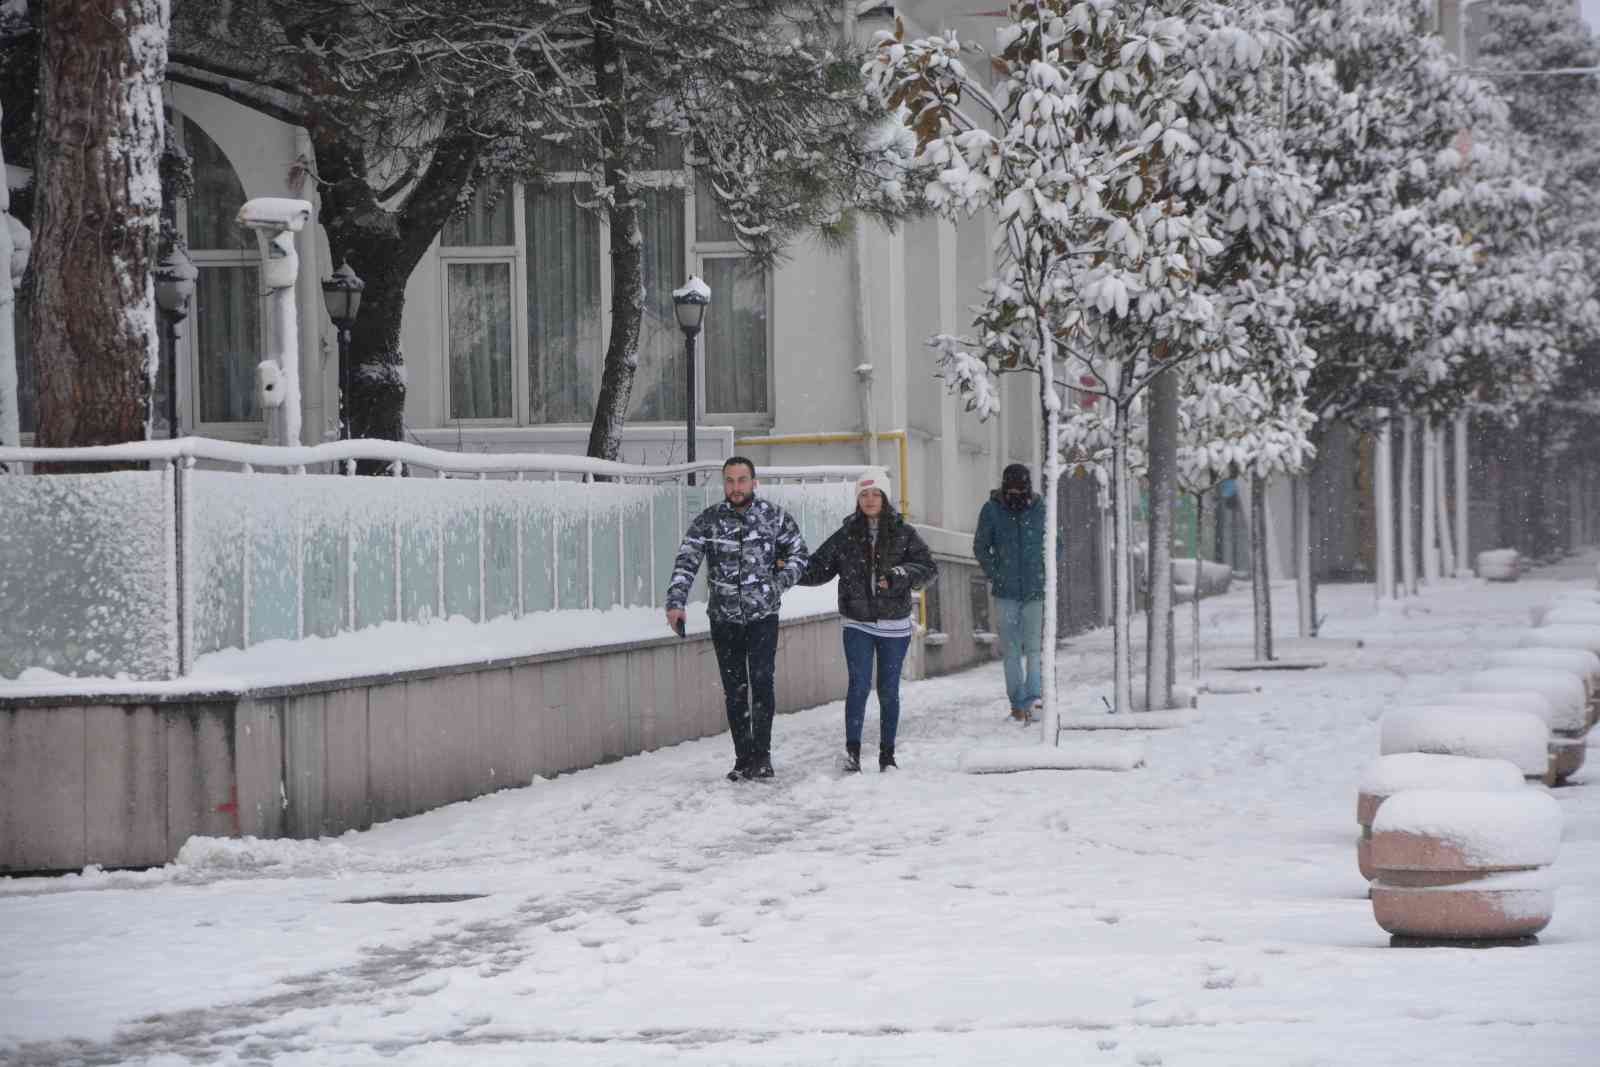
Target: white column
(276, 220)
(1441, 482)
(1383, 508)
(1408, 538)
(1430, 502)
(1463, 548)
(951, 505)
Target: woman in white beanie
(879, 559)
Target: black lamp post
(174, 282)
(689, 304)
(341, 293)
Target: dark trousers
(747, 653)
(860, 649)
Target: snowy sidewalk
(1203, 910)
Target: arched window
(223, 336)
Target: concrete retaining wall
(125, 784)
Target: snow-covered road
(1203, 910)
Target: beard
(738, 499)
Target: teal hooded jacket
(1009, 546)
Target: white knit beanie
(876, 478)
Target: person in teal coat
(1009, 546)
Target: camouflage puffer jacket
(743, 550)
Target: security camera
(275, 213)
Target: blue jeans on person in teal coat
(1021, 642)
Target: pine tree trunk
(1163, 477)
(94, 333)
(1260, 573)
(627, 244)
(10, 414)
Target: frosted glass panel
(326, 580)
(374, 548)
(638, 579)
(274, 573)
(83, 575)
(538, 560)
(461, 573)
(605, 551)
(572, 543)
(500, 548)
(419, 569)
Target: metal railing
(217, 544)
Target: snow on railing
(219, 544)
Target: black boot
(886, 758)
(741, 769)
(761, 766)
(852, 757)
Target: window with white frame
(223, 337)
(527, 304)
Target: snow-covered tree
(412, 105)
(1124, 152)
(93, 324)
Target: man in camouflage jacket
(753, 552)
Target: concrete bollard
(1464, 866)
(1444, 729)
(1577, 661)
(1566, 711)
(1499, 565)
(1388, 775)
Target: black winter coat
(900, 555)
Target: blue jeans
(1021, 635)
(860, 648)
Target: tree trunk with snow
(1304, 580)
(627, 244)
(1050, 479)
(1121, 561)
(1199, 516)
(1163, 479)
(1260, 572)
(10, 435)
(1441, 481)
(384, 248)
(94, 333)
(1430, 502)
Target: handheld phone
(681, 628)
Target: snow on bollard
(1562, 702)
(1388, 775)
(1584, 664)
(1586, 638)
(1566, 613)
(1459, 865)
(1499, 565)
(1519, 737)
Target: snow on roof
(1499, 829)
(1388, 775)
(1463, 730)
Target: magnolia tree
(1124, 154)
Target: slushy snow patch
(1501, 829)
(1462, 730)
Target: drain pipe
(869, 418)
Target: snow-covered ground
(1203, 910)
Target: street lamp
(174, 281)
(342, 296)
(689, 304)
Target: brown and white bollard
(1577, 661)
(1519, 737)
(1499, 565)
(1566, 709)
(1464, 867)
(1388, 775)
